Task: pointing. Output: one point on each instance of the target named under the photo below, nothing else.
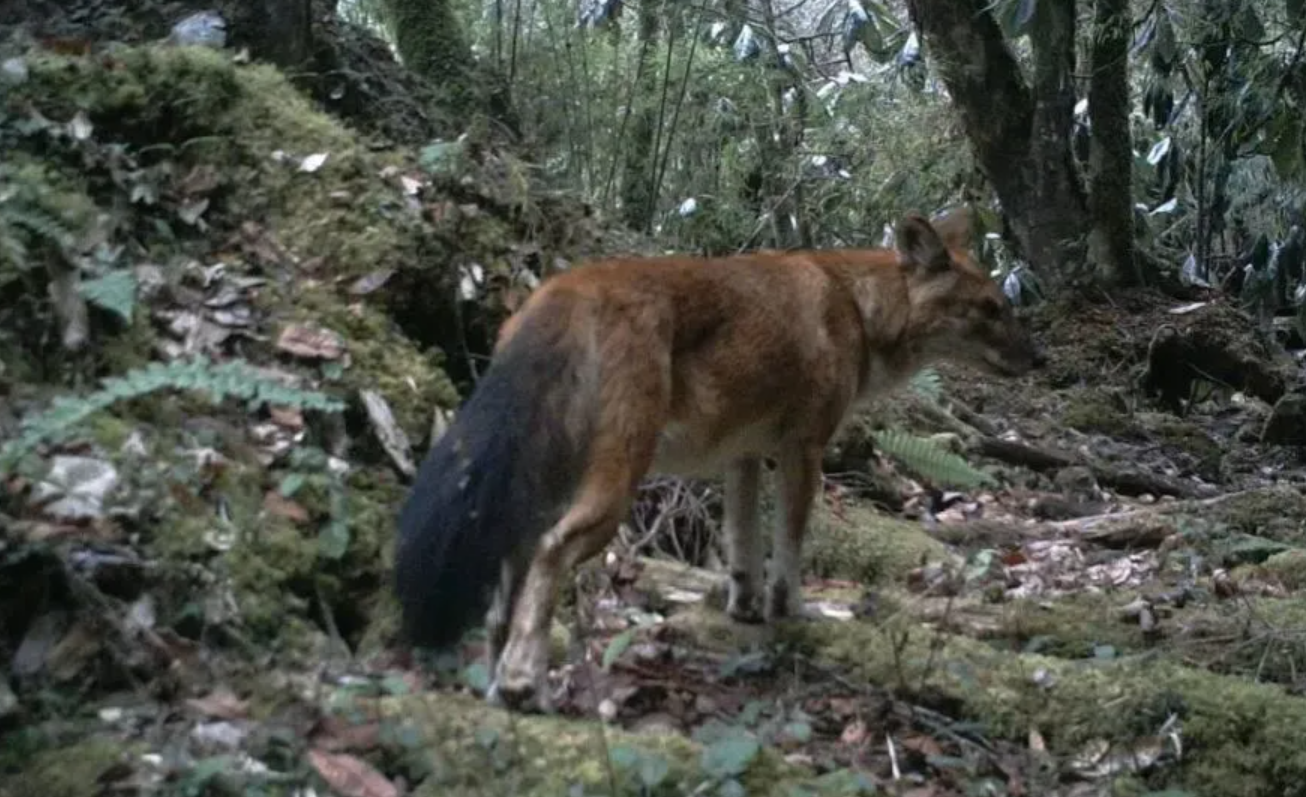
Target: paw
(784, 602)
(743, 604)
(521, 681)
(745, 612)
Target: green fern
(928, 384)
(927, 459)
(35, 213)
(235, 379)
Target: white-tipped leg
(743, 548)
(800, 479)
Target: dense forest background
(253, 256)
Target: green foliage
(929, 460)
(927, 384)
(115, 292)
(37, 216)
(234, 379)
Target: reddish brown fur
(705, 366)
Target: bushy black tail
(498, 478)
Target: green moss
(1240, 738)
(108, 430)
(864, 545)
(1277, 513)
(478, 750)
(380, 357)
(132, 347)
(72, 771)
(1092, 411)
(1288, 568)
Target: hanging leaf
(115, 292)
(617, 646)
(1158, 151)
(1015, 16)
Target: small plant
(930, 460)
(234, 379)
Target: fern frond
(928, 384)
(234, 379)
(926, 458)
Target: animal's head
(958, 312)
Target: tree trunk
(637, 200)
(285, 33)
(1058, 218)
(1110, 154)
(1021, 136)
(430, 39)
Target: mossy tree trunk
(1110, 154)
(431, 41)
(1020, 130)
(638, 204)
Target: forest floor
(193, 558)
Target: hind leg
(800, 479)
(587, 527)
(743, 552)
(511, 575)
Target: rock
(1077, 482)
(76, 487)
(1287, 422)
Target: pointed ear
(920, 247)
(957, 228)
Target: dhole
(677, 365)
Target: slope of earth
(221, 322)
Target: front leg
(800, 478)
(743, 554)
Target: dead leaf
(370, 282)
(843, 706)
(66, 45)
(393, 438)
(854, 733)
(79, 127)
(350, 776)
(287, 417)
(221, 703)
(76, 487)
(313, 162)
(191, 211)
(308, 342)
(74, 651)
(274, 503)
(199, 180)
(336, 734)
(925, 745)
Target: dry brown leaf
(843, 706)
(854, 733)
(277, 505)
(287, 417)
(369, 283)
(336, 734)
(221, 703)
(350, 776)
(925, 745)
(303, 341)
